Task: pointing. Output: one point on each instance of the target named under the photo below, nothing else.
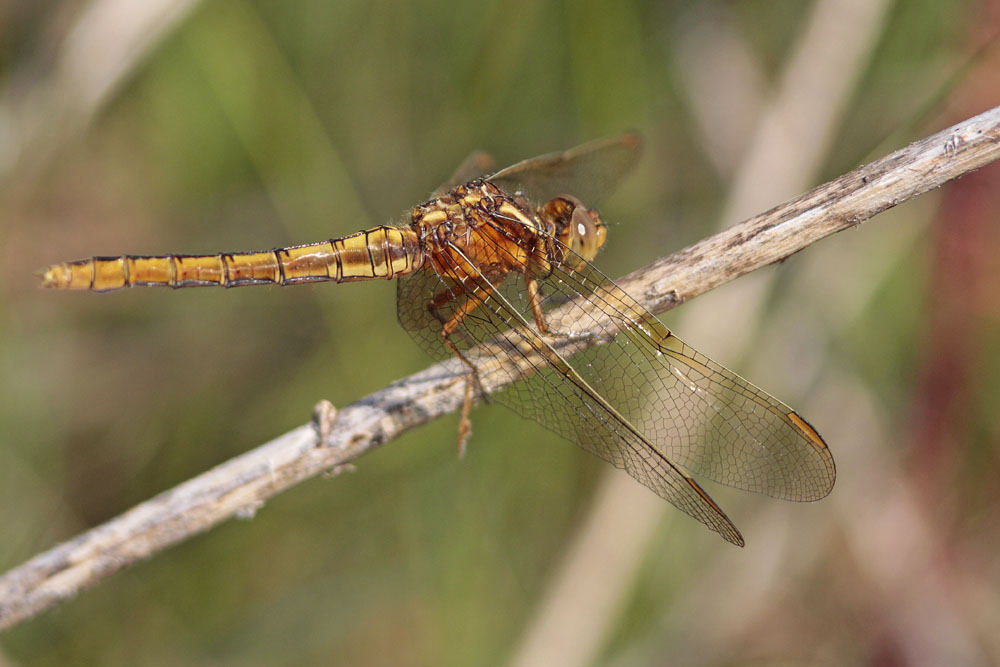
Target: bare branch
(835, 206)
(240, 486)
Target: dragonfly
(496, 271)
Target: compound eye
(586, 233)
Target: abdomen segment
(380, 252)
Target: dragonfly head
(578, 227)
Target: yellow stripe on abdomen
(380, 252)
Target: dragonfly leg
(442, 299)
(446, 296)
(449, 327)
(471, 378)
(535, 299)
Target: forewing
(588, 172)
(693, 411)
(702, 416)
(497, 339)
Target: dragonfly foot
(464, 425)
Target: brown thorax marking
(510, 222)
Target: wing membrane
(588, 172)
(704, 417)
(552, 393)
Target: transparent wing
(497, 339)
(588, 172)
(643, 400)
(705, 418)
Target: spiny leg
(535, 299)
(449, 327)
(445, 297)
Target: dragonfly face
(506, 285)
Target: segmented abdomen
(380, 252)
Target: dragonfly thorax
(453, 218)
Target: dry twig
(240, 486)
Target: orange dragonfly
(496, 271)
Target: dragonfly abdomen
(380, 252)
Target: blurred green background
(238, 125)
